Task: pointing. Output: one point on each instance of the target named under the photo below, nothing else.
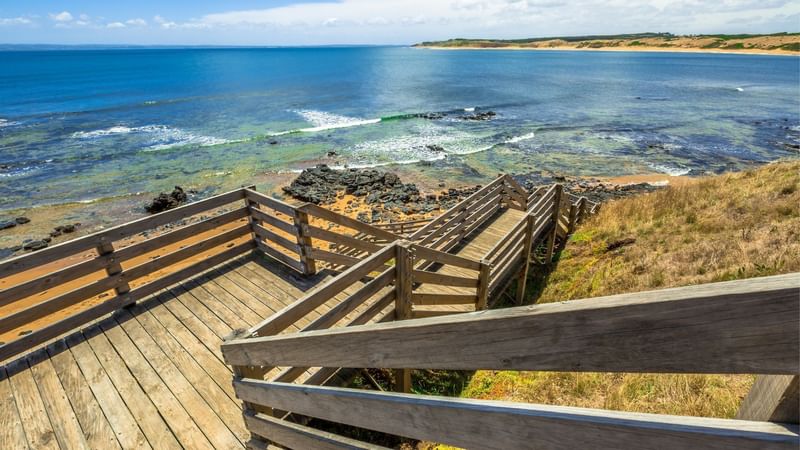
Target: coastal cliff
(779, 43)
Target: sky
(332, 22)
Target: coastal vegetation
(728, 227)
(755, 43)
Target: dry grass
(734, 226)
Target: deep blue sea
(81, 125)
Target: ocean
(86, 125)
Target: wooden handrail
(708, 328)
(505, 425)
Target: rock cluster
(166, 201)
(12, 223)
(384, 192)
(591, 188)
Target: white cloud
(115, 25)
(15, 21)
(136, 22)
(63, 16)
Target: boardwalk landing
(152, 375)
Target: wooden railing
(406, 228)
(741, 327)
(55, 290)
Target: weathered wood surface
(774, 398)
(503, 425)
(729, 327)
(298, 436)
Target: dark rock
(47, 239)
(16, 248)
(435, 148)
(69, 228)
(331, 153)
(22, 220)
(430, 116)
(364, 217)
(35, 245)
(273, 142)
(6, 225)
(55, 233)
(620, 243)
(166, 202)
(488, 115)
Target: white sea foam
(160, 137)
(740, 89)
(7, 123)
(669, 170)
(521, 138)
(324, 121)
(469, 109)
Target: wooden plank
(429, 313)
(295, 435)
(354, 300)
(269, 202)
(773, 398)
(731, 327)
(421, 276)
(108, 398)
(32, 412)
(272, 220)
(339, 219)
(67, 430)
(457, 207)
(12, 435)
(483, 285)
(192, 420)
(286, 317)
(443, 299)
(444, 258)
(281, 257)
(268, 235)
(504, 425)
(68, 323)
(96, 428)
(177, 419)
(335, 258)
(58, 251)
(337, 238)
(142, 409)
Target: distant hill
(779, 43)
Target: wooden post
(404, 264)
(483, 286)
(113, 268)
(582, 212)
(527, 250)
(574, 209)
(551, 242)
(773, 398)
(304, 241)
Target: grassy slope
(722, 228)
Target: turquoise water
(83, 125)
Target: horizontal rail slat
(289, 315)
(339, 219)
(337, 238)
(353, 301)
(273, 221)
(334, 258)
(281, 257)
(444, 258)
(443, 299)
(64, 325)
(421, 276)
(268, 235)
(724, 328)
(506, 425)
(49, 254)
(294, 435)
(269, 202)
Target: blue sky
(292, 22)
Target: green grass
(729, 227)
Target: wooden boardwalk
(138, 363)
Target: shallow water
(86, 125)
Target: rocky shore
(594, 189)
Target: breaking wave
(158, 137)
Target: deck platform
(143, 367)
